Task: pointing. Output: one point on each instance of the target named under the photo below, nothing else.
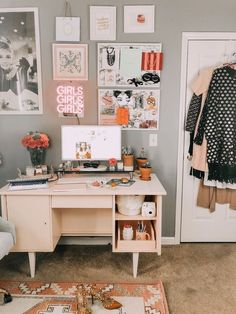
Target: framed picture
(70, 61)
(139, 19)
(128, 65)
(102, 23)
(132, 109)
(20, 66)
(67, 28)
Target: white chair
(7, 240)
(7, 236)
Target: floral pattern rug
(60, 297)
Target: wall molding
(71, 240)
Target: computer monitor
(90, 142)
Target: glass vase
(37, 156)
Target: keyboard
(86, 179)
(30, 179)
(28, 185)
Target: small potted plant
(128, 158)
(145, 172)
(141, 159)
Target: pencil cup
(142, 235)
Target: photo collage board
(129, 84)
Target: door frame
(186, 37)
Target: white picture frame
(102, 23)
(139, 18)
(113, 76)
(20, 77)
(70, 62)
(67, 29)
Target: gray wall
(172, 18)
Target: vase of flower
(37, 156)
(37, 144)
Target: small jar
(128, 232)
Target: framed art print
(70, 61)
(102, 23)
(67, 29)
(20, 64)
(139, 18)
(129, 108)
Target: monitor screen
(90, 142)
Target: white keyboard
(31, 186)
(86, 179)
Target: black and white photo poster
(20, 68)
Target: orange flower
(35, 140)
(112, 162)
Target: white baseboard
(169, 241)
(67, 240)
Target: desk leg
(32, 262)
(135, 264)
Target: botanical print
(20, 76)
(70, 62)
(132, 109)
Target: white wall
(172, 18)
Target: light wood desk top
(140, 187)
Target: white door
(198, 224)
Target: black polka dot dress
(218, 122)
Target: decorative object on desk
(128, 232)
(129, 205)
(141, 159)
(128, 158)
(112, 164)
(148, 209)
(145, 172)
(120, 165)
(37, 296)
(36, 143)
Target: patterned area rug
(35, 297)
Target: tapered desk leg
(32, 262)
(135, 264)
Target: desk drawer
(82, 201)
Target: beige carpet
(198, 278)
(35, 297)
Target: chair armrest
(8, 226)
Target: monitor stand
(93, 169)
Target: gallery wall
(172, 18)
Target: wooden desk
(42, 216)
